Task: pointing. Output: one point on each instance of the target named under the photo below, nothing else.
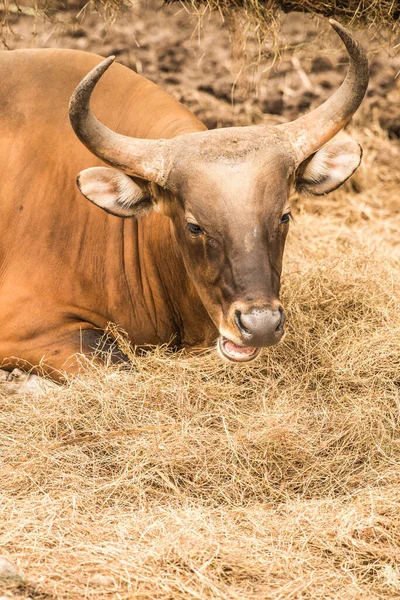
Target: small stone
(8, 571)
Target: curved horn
(310, 132)
(137, 157)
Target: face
(231, 219)
(227, 196)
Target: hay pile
(189, 478)
(363, 12)
(358, 12)
(261, 21)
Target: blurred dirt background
(189, 53)
(189, 478)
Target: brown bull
(202, 257)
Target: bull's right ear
(329, 167)
(114, 192)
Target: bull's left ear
(328, 168)
(114, 192)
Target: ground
(185, 477)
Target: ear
(114, 192)
(328, 168)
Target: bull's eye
(286, 217)
(194, 229)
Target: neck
(193, 324)
(169, 304)
(164, 306)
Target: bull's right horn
(137, 157)
(308, 133)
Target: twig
(305, 80)
(22, 10)
(112, 434)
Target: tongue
(231, 348)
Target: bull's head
(226, 192)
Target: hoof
(19, 382)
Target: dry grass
(257, 26)
(356, 12)
(189, 478)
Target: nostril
(281, 323)
(239, 323)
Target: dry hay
(189, 478)
(356, 12)
(359, 12)
(256, 26)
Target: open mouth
(236, 353)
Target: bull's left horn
(308, 133)
(141, 158)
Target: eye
(286, 217)
(194, 229)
